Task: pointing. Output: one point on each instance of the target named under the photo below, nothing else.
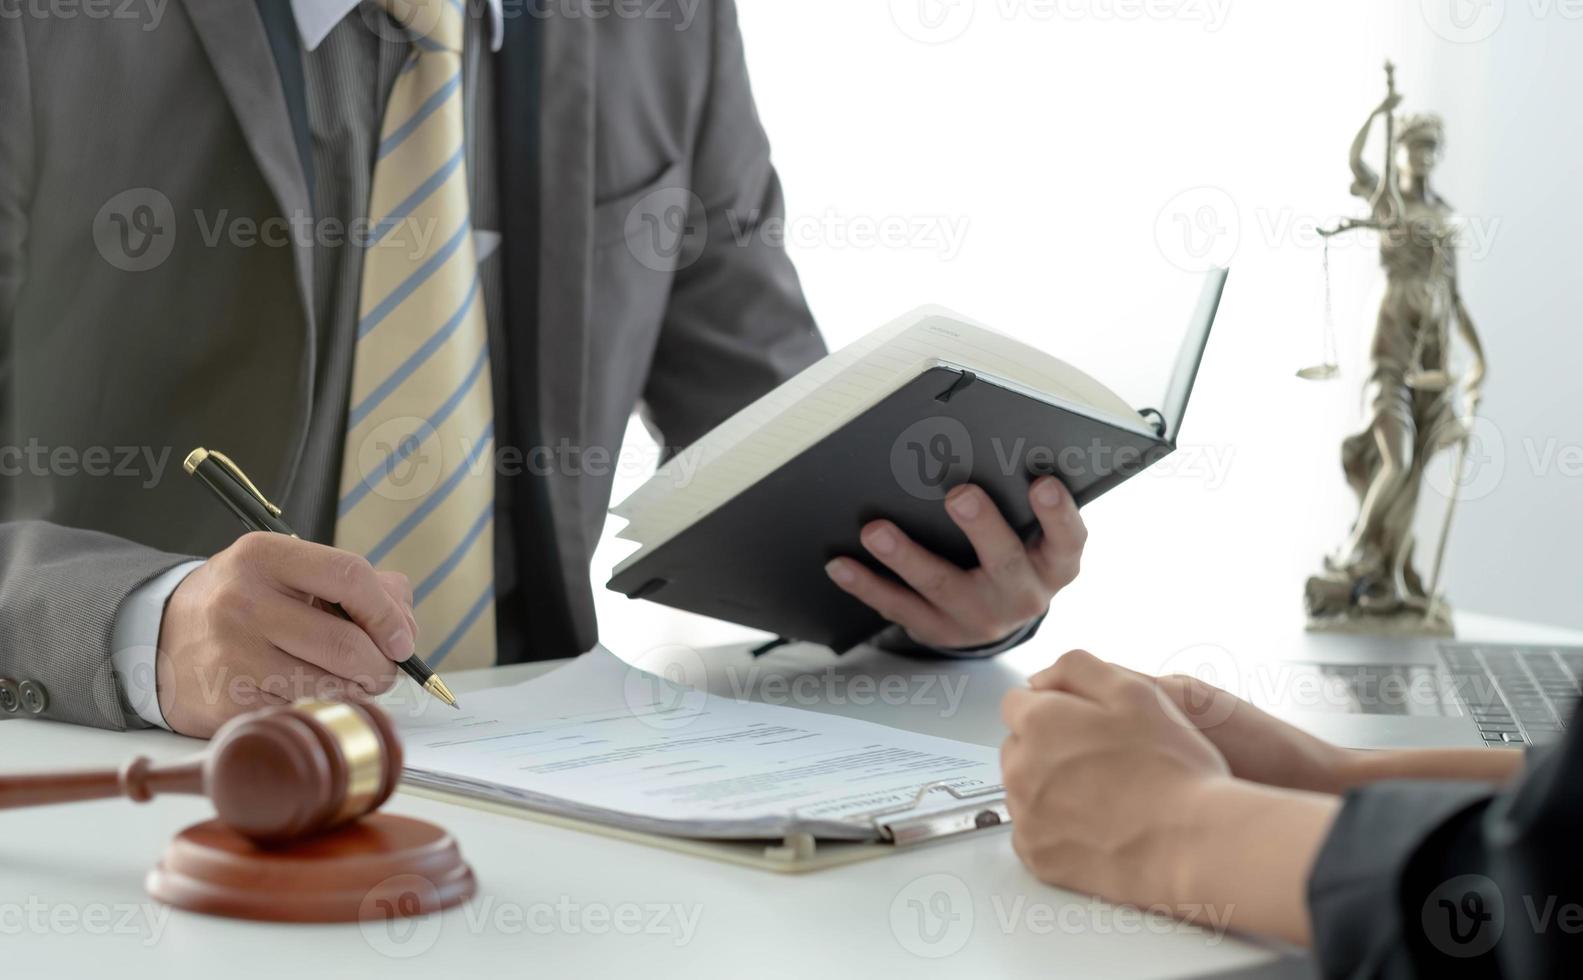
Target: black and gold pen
(237, 492)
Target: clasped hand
(1110, 774)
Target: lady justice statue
(1371, 583)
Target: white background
(1059, 169)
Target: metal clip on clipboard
(912, 830)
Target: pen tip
(437, 687)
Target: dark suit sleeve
(896, 640)
(60, 588)
(737, 324)
(1429, 879)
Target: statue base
(1334, 606)
(1401, 623)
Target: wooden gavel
(276, 775)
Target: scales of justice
(1415, 405)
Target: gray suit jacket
(129, 334)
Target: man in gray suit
(195, 213)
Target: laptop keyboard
(1517, 694)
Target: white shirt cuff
(134, 642)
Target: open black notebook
(739, 525)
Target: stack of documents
(604, 742)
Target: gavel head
(287, 772)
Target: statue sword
(1451, 508)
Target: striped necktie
(417, 474)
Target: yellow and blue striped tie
(417, 474)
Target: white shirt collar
(316, 18)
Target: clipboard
(982, 810)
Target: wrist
(1494, 766)
(1364, 767)
(135, 638)
(1247, 853)
(1196, 832)
(180, 608)
(1347, 769)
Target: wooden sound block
(380, 867)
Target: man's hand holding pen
(245, 629)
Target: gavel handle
(138, 780)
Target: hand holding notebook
(741, 525)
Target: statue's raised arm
(1365, 182)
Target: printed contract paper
(607, 742)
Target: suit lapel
(238, 47)
(234, 39)
(286, 45)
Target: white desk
(556, 902)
